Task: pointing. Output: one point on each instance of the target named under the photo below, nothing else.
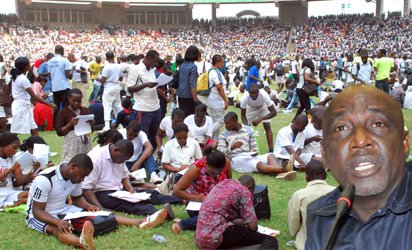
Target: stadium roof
(132, 2)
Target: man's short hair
(58, 49)
(134, 125)
(109, 55)
(152, 54)
(82, 161)
(178, 113)
(231, 116)
(180, 127)
(247, 180)
(125, 146)
(315, 170)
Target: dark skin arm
(162, 95)
(310, 79)
(194, 95)
(312, 139)
(243, 116)
(137, 88)
(168, 167)
(81, 202)
(291, 151)
(39, 212)
(159, 135)
(5, 173)
(69, 74)
(127, 185)
(148, 149)
(272, 113)
(188, 178)
(23, 179)
(36, 98)
(91, 198)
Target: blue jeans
(293, 102)
(189, 224)
(149, 164)
(149, 123)
(383, 85)
(95, 93)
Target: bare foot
(177, 220)
(176, 228)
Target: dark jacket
(390, 228)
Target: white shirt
(338, 84)
(112, 72)
(263, 99)
(200, 132)
(106, 174)
(365, 72)
(314, 147)
(78, 64)
(284, 139)
(57, 67)
(4, 165)
(294, 66)
(138, 144)
(214, 100)
(177, 155)
(349, 77)
(302, 77)
(166, 125)
(49, 187)
(200, 68)
(146, 99)
(407, 103)
(19, 92)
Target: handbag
(102, 224)
(261, 202)
(309, 88)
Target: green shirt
(384, 66)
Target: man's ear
(405, 142)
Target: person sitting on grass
(166, 128)
(198, 181)
(316, 187)
(313, 136)
(142, 155)
(227, 218)
(238, 143)
(104, 138)
(201, 125)
(127, 115)
(109, 175)
(290, 142)
(47, 200)
(9, 144)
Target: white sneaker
(154, 179)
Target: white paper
(183, 172)
(139, 174)
(41, 153)
(76, 215)
(268, 231)
(163, 79)
(134, 197)
(26, 160)
(194, 206)
(83, 127)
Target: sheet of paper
(41, 153)
(83, 127)
(194, 206)
(134, 197)
(163, 79)
(268, 231)
(183, 172)
(139, 174)
(26, 160)
(76, 215)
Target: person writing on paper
(66, 120)
(365, 144)
(9, 144)
(166, 128)
(201, 125)
(47, 200)
(297, 206)
(227, 218)
(198, 181)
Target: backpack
(202, 85)
(279, 69)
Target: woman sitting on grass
(65, 122)
(198, 181)
(9, 172)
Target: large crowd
(349, 94)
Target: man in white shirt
(289, 142)
(297, 206)
(142, 156)
(80, 77)
(255, 107)
(347, 69)
(295, 68)
(110, 78)
(313, 136)
(362, 71)
(142, 83)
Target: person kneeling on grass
(197, 182)
(227, 217)
(238, 143)
(47, 200)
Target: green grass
(15, 235)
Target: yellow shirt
(297, 207)
(95, 69)
(383, 66)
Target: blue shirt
(43, 69)
(187, 79)
(252, 72)
(57, 67)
